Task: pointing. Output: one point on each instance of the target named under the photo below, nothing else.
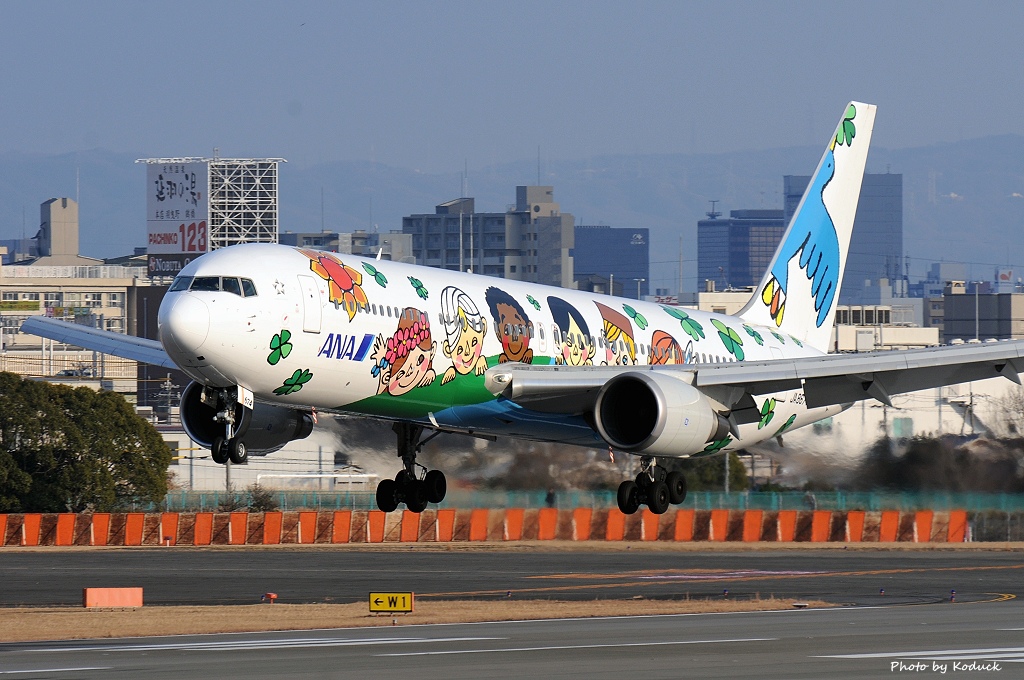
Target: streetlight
(638, 282)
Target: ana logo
(341, 346)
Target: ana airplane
(273, 335)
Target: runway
(843, 642)
(228, 576)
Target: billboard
(177, 215)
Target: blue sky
(436, 85)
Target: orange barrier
(923, 526)
(65, 529)
(111, 597)
(342, 526)
(719, 525)
(480, 524)
(581, 519)
(169, 528)
(957, 532)
(752, 520)
(890, 526)
(307, 527)
(821, 526)
(855, 526)
(547, 524)
(787, 526)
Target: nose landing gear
(414, 485)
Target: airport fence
(206, 501)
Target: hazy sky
(434, 85)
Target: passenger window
(230, 285)
(248, 288)
(206, 283)
(181, 283)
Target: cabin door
(312, 307)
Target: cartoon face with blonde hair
(404, 361)
(465, 330)
(620, 348)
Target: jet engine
(264, 428)
(655, 413)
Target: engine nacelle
(656, 414)
(264, 429)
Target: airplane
(274, 335)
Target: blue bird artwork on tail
(813, 237)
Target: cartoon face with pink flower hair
(404, 361)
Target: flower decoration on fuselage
(344, 284)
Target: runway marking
(280, 643)
(1009, 654)
(58, 670)
(648, 578)
(564, 647)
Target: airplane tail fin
(800, 290)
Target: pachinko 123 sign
(177, 215)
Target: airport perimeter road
(240, 576)
(847, 643)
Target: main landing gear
(654, 487)
(414, 485)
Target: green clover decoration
(785, 426)
(731, 339)
(420, 288)
(377, 275)
(767, 412)
(636, 316)
(754, 334)
(280, 347)
(717, 445)
(779, 337)
(798, 343)
(690, 325)
(847, 130)
(532, 301)
(293, 384)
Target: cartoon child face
(513, 342)
(616, 354)
(467, 350)
(404, 360)
(576, 347)
(413, 372)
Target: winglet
(799, 292)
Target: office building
(735, 252)
(531, 241)
(604, 256)
(393, 245)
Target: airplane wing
(108, 342)
(826, 379)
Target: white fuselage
(341, 333)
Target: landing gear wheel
(415, 497)
(676, 482)
(657, 497)
(219, 451)
(386, 496)
(435, 486)
(628, 498)
(237, 451)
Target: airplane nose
(184, 325)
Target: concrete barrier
(480, 524)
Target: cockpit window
(206, 283)
(249, 288)
(181, 283)
(230, 285)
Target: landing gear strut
(654, 487)
(414, 485)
